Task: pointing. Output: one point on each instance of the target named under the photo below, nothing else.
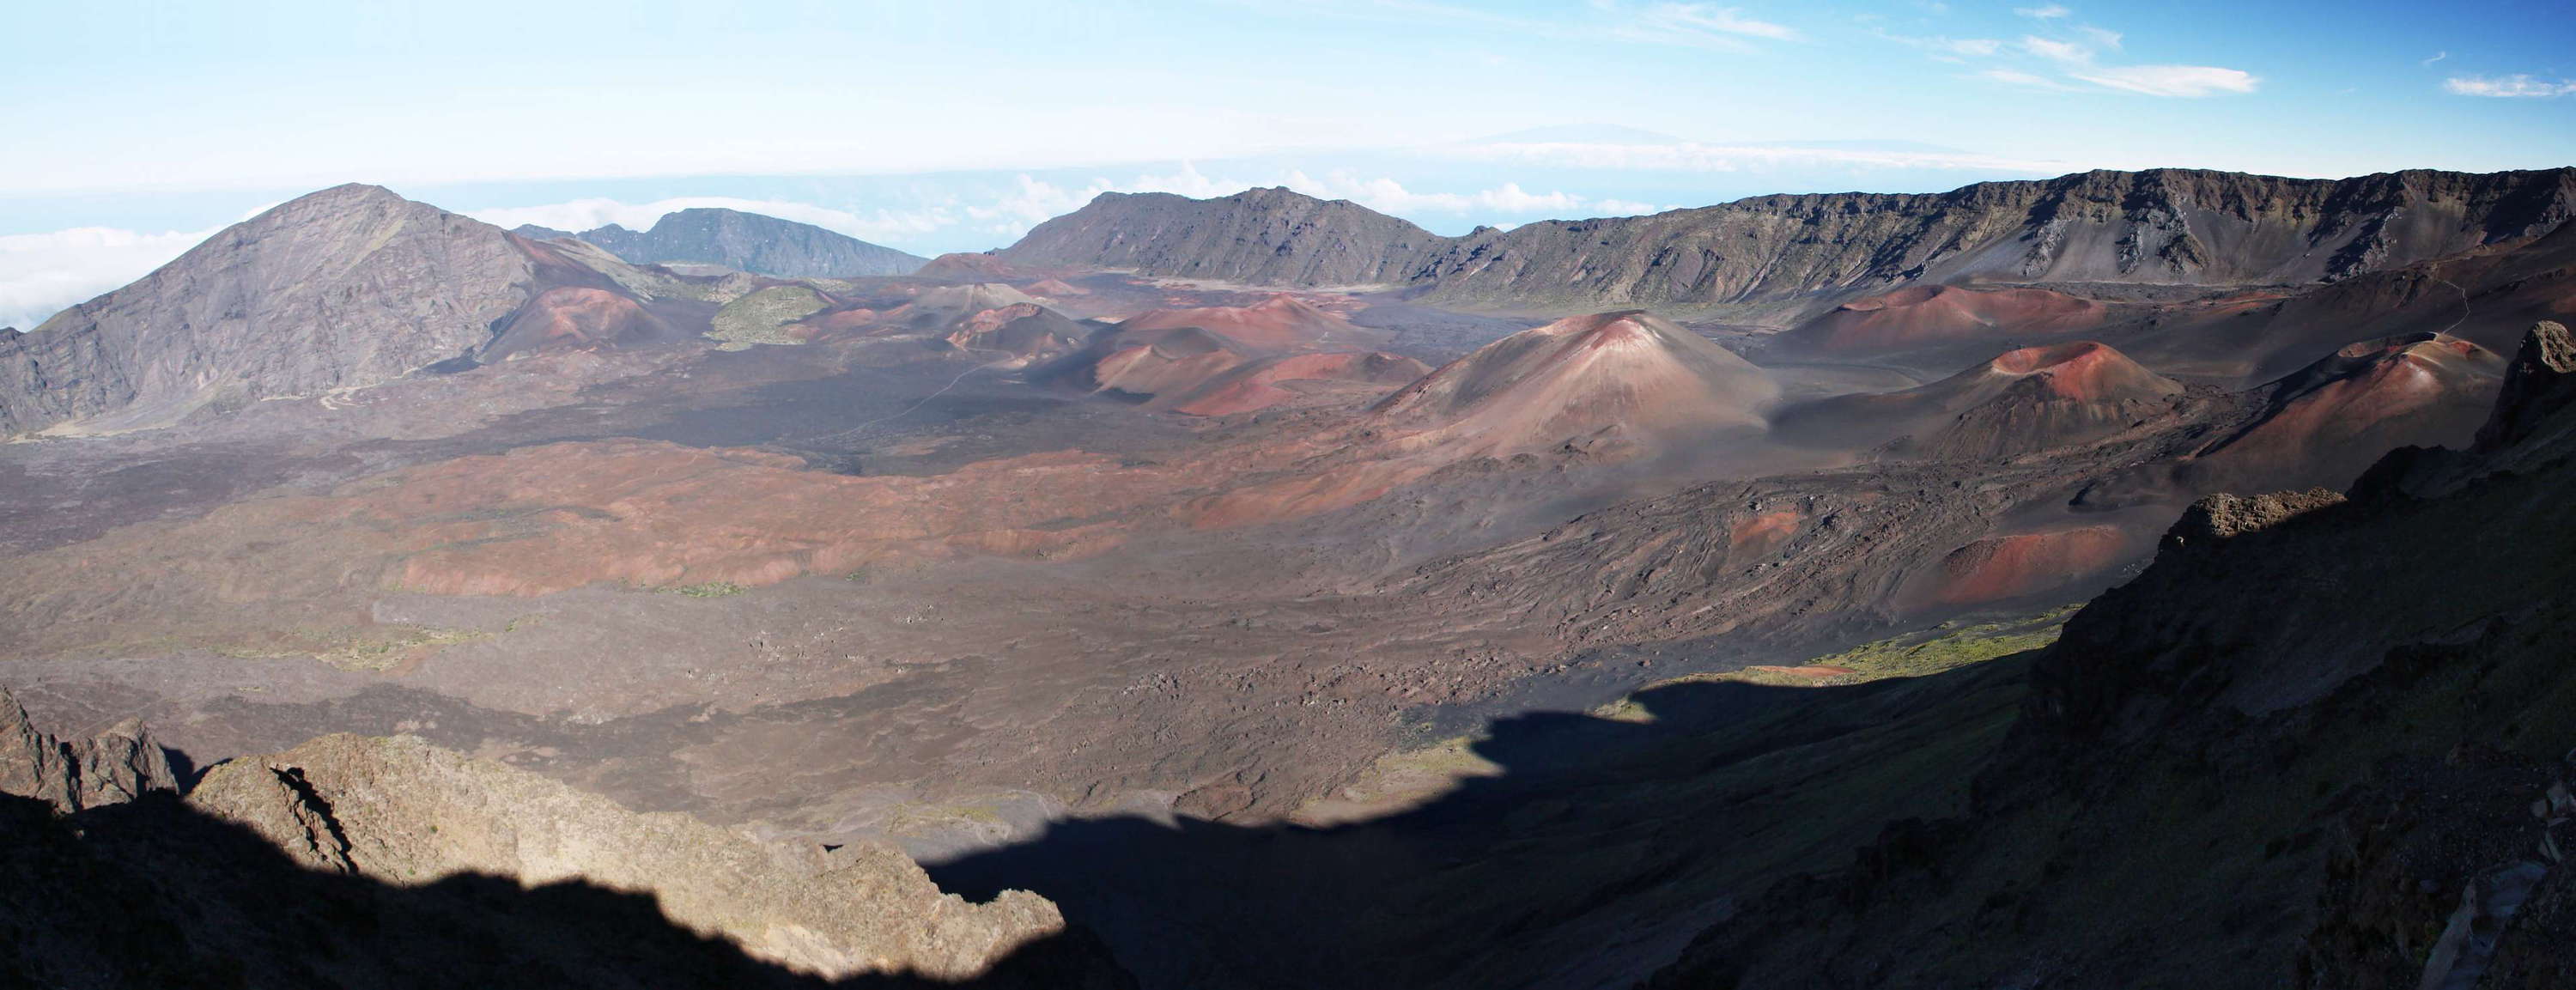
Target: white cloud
(42, 274)
(2437, 56)
(2055, 50)
(583, 214)
(1949, 49)
(2077, 61)
(2170, 80)
(1725, 20)
(2045, 13)
(2016, 77)
(1691, 156)
(2517, 85)
(2100, 36)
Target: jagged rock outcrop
(403, 811)
(2163, 226)
(346, 287)
(750, 242)
(2540, 381)
(114, 767)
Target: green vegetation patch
(711, 589)
(376, 649)
(1920, 653)
(761, 317)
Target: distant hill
(761, 245)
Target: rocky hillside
(1256, 237)
(353, 861)
(750, 242)
(2351, 717)
(346, 287)
(2160, 227)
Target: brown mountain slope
(1627, 377)
(2026, 400)
(349, 286)
(1258, 237)
(2321, 742)
(2325, 424)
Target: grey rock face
(1258, 237)
(746, 241)
(114, 767)
(347, 287)
(2167, 226)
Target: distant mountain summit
(1258, 236)
(761, 245)
(2182, 227)
(347, 287)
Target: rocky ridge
(2156, 227)
(761, 245)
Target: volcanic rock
(113, 767)
(1625, 377)
(404, 811)
(2163, 226)
(346, 287)
(2324, 424)
(1927, 315)
(748, 242)
(2032, 399)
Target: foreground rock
(113, 767)
(405, 812)
(357, 861)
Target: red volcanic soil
(1056, 287)
(1024, 330)
(839, 320)
(2083, 371)
(1215, 360)
(577, 317)
(1763, 533)
(2327, 423)
(1626, 375)
(628, 512)
(2034, 398)
(968, 266)
(1257, 386)
(1278, 323)
(2007, 567)
(1923, 315)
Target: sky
(137, 129)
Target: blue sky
(137, 128)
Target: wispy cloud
(2077, 64)
(1687, 25)
(2016, 77)
(1709, 18)
(2048, 12)
(42, 274)
(2523, 85)
(2171, 80)
(2437, 56)
(1692, 156)
(1948, 49)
